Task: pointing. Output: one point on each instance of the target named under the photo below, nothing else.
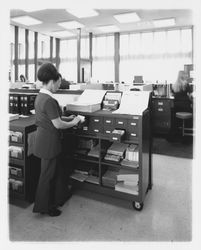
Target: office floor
(87, 216)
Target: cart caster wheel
(138, 206)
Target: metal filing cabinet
(161, 114)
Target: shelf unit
(137, 131)
(23, 172)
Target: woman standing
(49, 193)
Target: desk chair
(185, 116)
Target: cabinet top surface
(23, 122)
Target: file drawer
(16, 185)
(15, 171)
(95, 125)
(16, 152)
(120, 123)
(16, 136)
(108, 130)
(108, 121)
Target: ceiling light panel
(127, 17)
(81, 13)
(108, 28)
(63, 33)
(164, 22)
(71, 25)
(26, 20)
(32, 9)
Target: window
(85, 48)
(68, 56)
(155, 55)
(43, 47)
(103, 59)
(12, 54)
(21, 52)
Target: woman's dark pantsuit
(52, 186)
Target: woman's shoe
(54, 212)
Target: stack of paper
(126, 188)
(133, 102)
(89, 101)
(127, 182)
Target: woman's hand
(71, 117)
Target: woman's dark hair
(47, 72)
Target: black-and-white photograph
(101, 134)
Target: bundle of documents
(115, 152)
(127, 188)
(89, 101)
(133, 102)
(109, 179)
(110, 157)
(127, 177)
(127, 182)
(94, 152)
(92, 179)
(117, 148)
(132, 153)
(131, 156)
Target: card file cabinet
(21, 103)
(137, 131)
(23, 169)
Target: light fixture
(80, 13)
(32, 9)
(127, 17)
(62, 33)
(164, 22)
(108, 28)
(26, 20)
(71, 25)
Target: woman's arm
(68, 118)
(59, 124)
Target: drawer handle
(108, 131)
(120, 123)
(160, 103)
(96, 130)
(85, 128)
(96, 120)
(160, 109)
(133, 124)
(132, 134)
(108, 121)
(114, 138)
